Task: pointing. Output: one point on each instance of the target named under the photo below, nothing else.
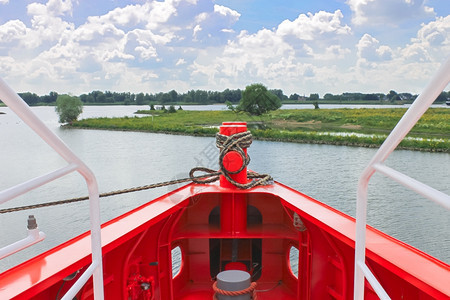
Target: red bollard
(233, 207)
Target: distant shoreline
(347, 127)
(305, 102)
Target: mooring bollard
(233, 280)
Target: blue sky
(300, 46)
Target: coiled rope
(236, 142)
(226, 144)
(250, 290)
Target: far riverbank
(351, 127)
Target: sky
(299, 46)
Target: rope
(225, 143)
(250, 290)
(237, 142)
(103, 195)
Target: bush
(172, 109)
(68, 108)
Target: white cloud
(134, 36)
(388, 12)
(180, 62)
(369, 50)
(12, 31)
(227, 12)
(7, 64)
(143, 43)
(384, 52)
(160, 13)
(4, 1)
(196, 30)
(257, 54)
(435, 33)
(415, 53)
(227, 30)
(405, 68)
(192, 44)
(288, 56)
(312, 26)
(47, 24)
(432, 43)
(52, 8)
(96, 33)
(320, 36)
(213, 26)
(333, 52)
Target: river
(128, 159)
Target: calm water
(129, 159)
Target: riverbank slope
(352, 127)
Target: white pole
(16, 104)
(439, 81)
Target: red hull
(137, 249)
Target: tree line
(211, 97)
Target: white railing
(33, 236)
(16, 104)
(413, 114)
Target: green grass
(431, 133)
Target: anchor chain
(234, 142)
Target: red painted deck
(138, 246)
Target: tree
(129, 98)
(230, 106)
(50, 98)
(119, 97)
(30, 98)
(173, 96)
(371, 97)
(101, 98)
(257, 100)
(328, 96)
(279, 93)
(313, 97)
(294, 96)
(393, 96)
(441, 98)
(172, 109)
(68, 108)
(166, 98)
(140, 99)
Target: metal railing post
(409, 119)
(16, 104)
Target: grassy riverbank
(354, 127)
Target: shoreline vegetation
(285, 103)
(233, 96)
(365, 127)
